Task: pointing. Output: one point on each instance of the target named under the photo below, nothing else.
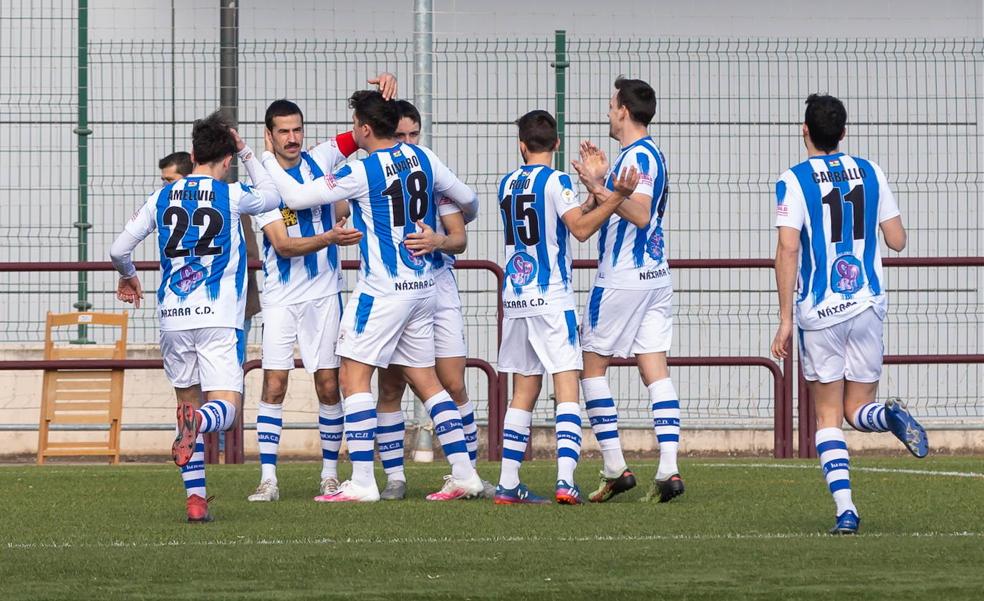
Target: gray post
(423, 77)
(229, 67)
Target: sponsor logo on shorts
(187, 279)
(845, 275)
(521, 269)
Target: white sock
(870, 418)
(468, 425)
(666, 423)
(604, 423)
(447, 427)
(193, 472)
(217, 415)
(360, 433)
(269, 423)
(515, 437)
(390, 429)
(836, 464)
(331, 424)
(568, 430)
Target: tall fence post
(82, 130)
(560, 65)
(423, 80)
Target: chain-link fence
(728, 121)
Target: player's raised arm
(289, 246)
(349, 181)
(263, 196)
(583, 225)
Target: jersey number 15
(520, 219)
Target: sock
(835, 462)
(870, 418)
(467, 411)
(568, 429)
(666, 423)
(360, 433)
(193, 473)
(217, 415)
(604, 423)
(515, 436)
(269, 423)
(389, 437)
(447, 427)
(331, 423)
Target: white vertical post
(423, 77)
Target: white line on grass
(879, 470)
(246, 542)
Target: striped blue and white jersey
(532, 201)
(203, 249)
(389, 192)
(290, 280)
(630, 257)
(444, 261)
(836, 202)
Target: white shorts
(623, 323)
(385, 331)
(210, 357)
(312, 324)
(449, 325)
(851, 350)
(540, 343)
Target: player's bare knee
(274, 387)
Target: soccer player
(301, 296)
(629, 311)
(540, 208)
(829, 209)
(175, 166)
(450, 348)
(201, 299)
(389, 320)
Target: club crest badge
(521, 269)
(187, 279)
(415, 263)
(845, 275)
(654, 246)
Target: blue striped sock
(360, 433)
(515, 436)
(217, 415)
(447, 427)
(666, 423)
(331, 423)
(604, 423)
(389, 438)
(836, 464)
(193, 472)
(870, 418)
(269, 423)
(470, 428)
(568, 430)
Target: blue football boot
(906, 428)
(847, 523)
(517, 496)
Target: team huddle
(409, 215)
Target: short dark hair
(638, 97)
(825, 119)
(211, 139)
(281, 108)
(380, 114)
(408, 110)
(181, 161)
(538, 130)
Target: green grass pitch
(745, 529)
